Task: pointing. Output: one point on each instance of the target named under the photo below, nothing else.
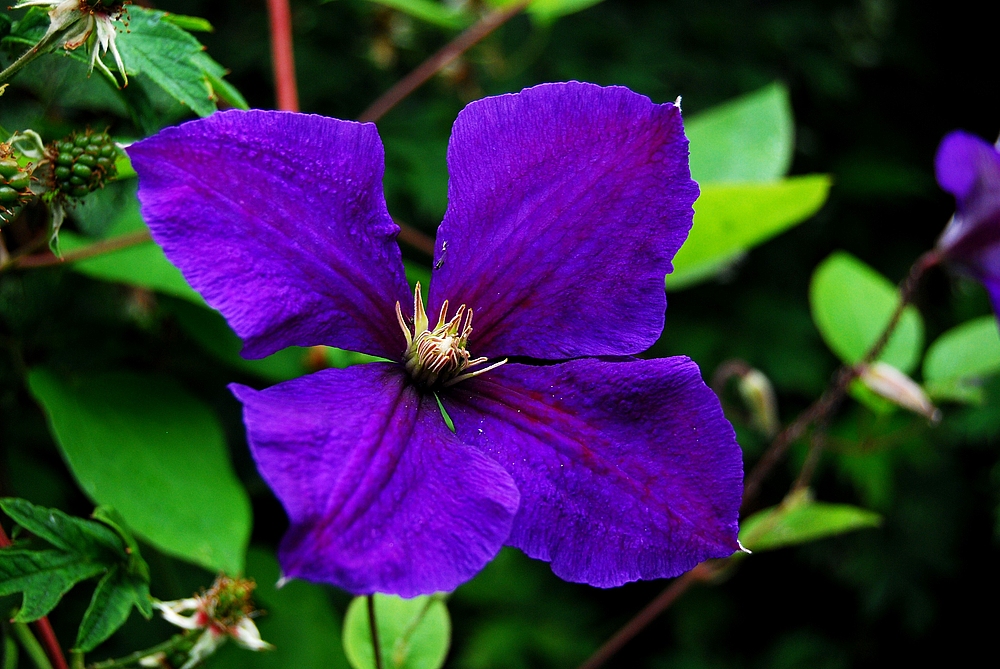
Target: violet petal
(279, 221)
(381, 496)
(567, 203)
(627, 470)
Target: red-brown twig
(282, 55)
(440, 60)
(43, 626)
(95, 249)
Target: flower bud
(888, 382)
(758, 393)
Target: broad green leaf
(142, 265)
(143, 445)
(110, 607)
(750, 138)
(172, 58)
(730, 219)
(799, 520)
(412, 633)
(219, 88)
(436, 13)
(43, 576)
(852, 304)
(298, 620)
(969, 349)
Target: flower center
(437, 358)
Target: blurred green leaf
(749, 139)
(436, 13)
(145, 446)
(800, 519)
(142, 265)
(189, 23)
(851, 305)
(960, 358)
(299, 620)
(413, 633)
(730, 219)
(549, 10)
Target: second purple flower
(567, 203)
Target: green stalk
(34, 52)
(31, 645)
(165, 647)
(9, 649)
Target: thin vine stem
(31, 646)
(132, 658)
(376, 646)
(451, 51)
(95, 249)
(283, 55)
(819, 411)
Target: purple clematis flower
(567, 203)
(969, 168)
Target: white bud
(886, 381)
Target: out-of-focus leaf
(190, 23)
(146, 447)
(436, 13)
(110, 607)
(142, 265)
(547, 11)
(800, 519)
(413, 633)
(851, 305)
(960, 358)
(299, 621)
(750, 138)
(730, 219)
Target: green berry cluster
(82, 163)
(14, 181)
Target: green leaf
(730, 219)
(110, 607)
(43, 576)
(146, 447)
(750, 138)
(189, 23)
(546, 11)
(432, 12)
(72, 535)
(299, 620)
(155, 46)
(413, 633)
(142, 265)
(969, 349)
(851, 305)
(799, 520)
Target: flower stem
(283, 55)
(96, 249)
(31, 645)
(170, 644)
(10, 651)
(465, 41)
(34, 52)
(376, 646)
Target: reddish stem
(282, 55)
(42, 625)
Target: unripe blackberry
(15, 182)
(81, 163)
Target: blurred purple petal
(567, 203)
(969, 168)
(279, 221)
(381, 496)
(627, 470)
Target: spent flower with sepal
(969, 168)
(224, 611)
(90, 22)
(567, 203)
